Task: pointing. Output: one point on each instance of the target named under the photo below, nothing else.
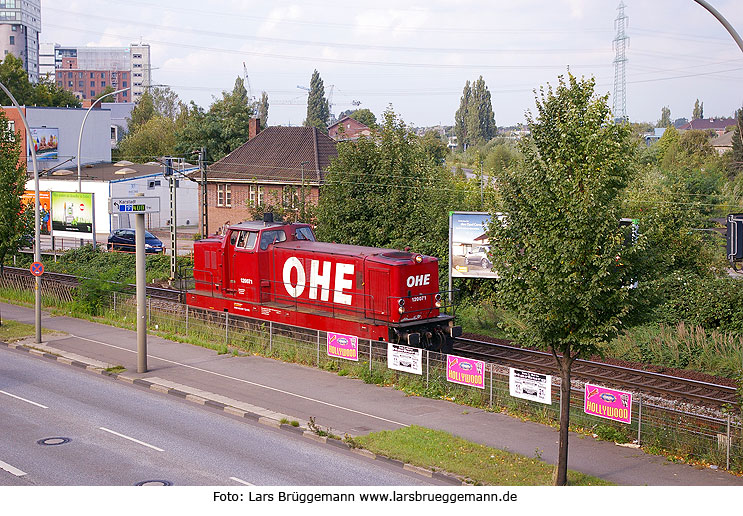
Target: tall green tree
(14, 223)
(153, 139)
(318, 110)
(166, 102)
(737, 161)
(263, 110)
(142, 112)
(565, 270)
(386, 191)
(460, 117)
(698, 112)
(665, 117)
(365, 116)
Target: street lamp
(37, 228)
(302, 191)
(724, 22)
(79, 143)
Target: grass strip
(481, 464)
(11, 331)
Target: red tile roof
(716, 124)
(276, 155)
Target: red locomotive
(279, 272)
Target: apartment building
(20, 24)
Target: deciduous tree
(698, 112)
(560, 251)
(318, 111)
(263, 110)
(665, 117)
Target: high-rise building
(20, 24)
(88, 71)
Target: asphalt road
(121, 435)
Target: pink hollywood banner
(608, 403)
(343, 346)
(465, 371)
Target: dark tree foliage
(45, 93)
(318, 110)
(737, 161)
(263, 110)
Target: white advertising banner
(530, 386)
(405, 358)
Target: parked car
(479, 256)
(123, 240)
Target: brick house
(267, 170)
(348, 129)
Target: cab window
(271, 237)
(250, 240)
(233, 237)
(305, 233)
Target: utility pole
(204, 203)
(173, 236)
(620, 66)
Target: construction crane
(247, 81)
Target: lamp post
(302, 191)
(724, 22)
(37, 228)
(80, 141)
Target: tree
(737, 161)
(434, 146)
(153, 139)
(221, 130)
(15, 223)
(560, 251)
(106, 93)
(665, 117)
(142, 112)
(263, 110)
(365, 116)
(47, 93)
(318, 111)
(166, 102)
(698, 112)
(460, 117)
(384, 191)
(15, 78)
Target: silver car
(479, 256)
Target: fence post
(270, 336)
(491, 385)
(226, 326)
(727, 456)
(186, 320)
(318, 348)
(370, 355)
(639, 420)
(114, 301)
(428, 361)
(149, 310)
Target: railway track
(651, 383)
(647, 382)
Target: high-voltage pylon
(620, 65)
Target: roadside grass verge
(11, 331)
(481, 464)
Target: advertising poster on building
(608, 403)
(469, 246)
(72, 214)
(343, 346)
(405, 358)
(530, 386)
(28, 199)
(45, 141)
(465, 371)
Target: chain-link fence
(674, 429)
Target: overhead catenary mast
(620, 43)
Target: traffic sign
(134, 205)
(37, 268)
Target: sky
(417, 55)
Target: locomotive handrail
(198, 281)
(444, 306)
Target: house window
(92, 94)
(256, 195)
(92, 84)
(103, 84)
(289, 196)
(11, 129)
(92, 75)
(12, 40)
(224, 195)
(153, 183)
(103, 75)
(124, 84)
(79, 75)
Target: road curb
(259, 415)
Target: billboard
(608, 403)
(45, 141)
(530, 386)
(404, 358)
(469, 245)
(28, 200)
(343, 346)
(72, 214)
(465, 371)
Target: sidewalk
(259, 387)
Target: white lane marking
(130, 438)
(24, 399)
(249, 383)
(10, 469)
(241, 481)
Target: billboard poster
(469, 246)
(404, 358)
(608, 403)
(343, 346)
(45, 141)
(465, 371)
(28, 199)
(72, 214)
(530, 386)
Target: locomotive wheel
(437, 341)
